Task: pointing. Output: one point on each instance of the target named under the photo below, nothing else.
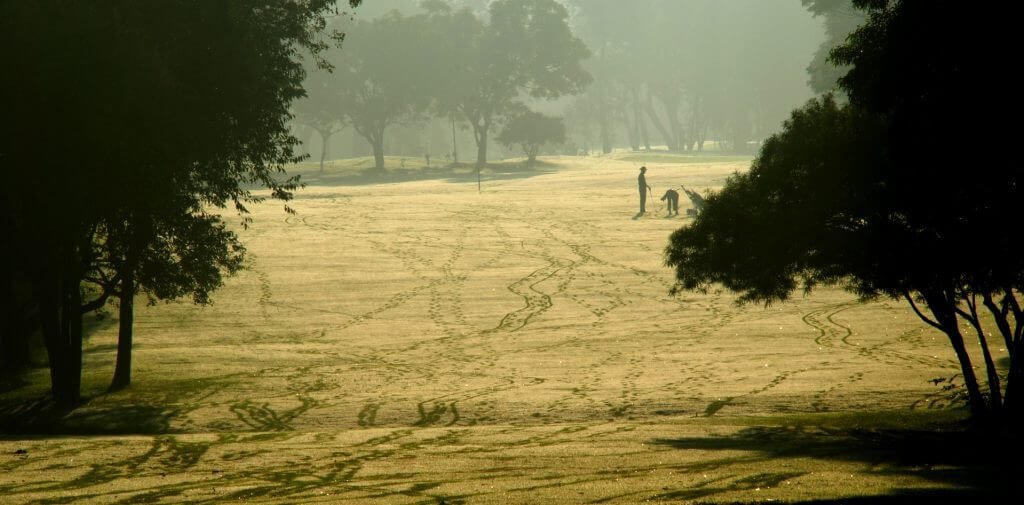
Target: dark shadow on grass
(12, 381)
(976, 465)
(460, 173)
(42, 417)
(955, 497)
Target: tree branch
(906, 294)
(999, 315)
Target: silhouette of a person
(644, 188)
(671, 198)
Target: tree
(165, 257)
(692, 70)
(526, 47)
(453, 34)
(319, 110)
(530, 131)
(841, 18)
(869, 196)
(124, 114)
(376, 78)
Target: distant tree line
(637, 74)
(447, 63)
(884, 194)
(675, 73)
(127, 128)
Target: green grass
(924, 420)
(666, 157)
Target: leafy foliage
(375, 80)
(126, 122)
(869, 195)
(530, 131)
(679, 73)
(527, 47)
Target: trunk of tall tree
(631, 133)
(73, 322)
(455, 145)
(531, 155)
(671, 111)
(974, 396)
(1013, 338)
(995, 393)
(61, 320)
(638, 115)
(604, 127)
(942, 307)
(308, 140)
(652, 114)
(126, 319)
(603, 122)
(14, 345)
(324, 138)
(480, 135)
(481, 153)
(1011, 403)
(378, 153)
(374, 135)
(633, 127)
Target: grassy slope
(406, 339)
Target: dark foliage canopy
(887, 195)
(531, 130)
(126, 126)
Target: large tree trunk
(641, 124)
(481, 153)
(324, 138)
(126, 318)
(377, 141)
(74, 339)
(1011, 404)
(604, 126)
(944, 311)
(698, 124)
(629, 119)
(531, 155)
(480, 135)
(374, 135)
(974, 396)
(677, 131)
(1003, 315)
(49, 321)
(61, 319)
(631, 133)
(656, 121)
(379, 156)
(455, 145)
(995, 393)
(14, 344)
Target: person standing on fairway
(644, 188)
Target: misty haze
(507, 251)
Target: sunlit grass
(667, 157)
(409, 338)
(923, 419)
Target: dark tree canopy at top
(124, 122)
(887, 195)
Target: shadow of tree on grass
(42, 417)
(461, 173)
(972, 464)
